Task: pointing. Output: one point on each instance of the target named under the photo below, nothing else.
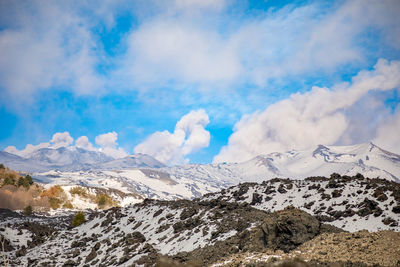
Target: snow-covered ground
(350, 205)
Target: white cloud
(45, 45)
(107, 142)
(171, 148)
(29, 148)
(83, 142)
(108, 145)
(61, 140)
(388, 134)
(280, 43)
(196, 4)
(305, 120)
(58, 140)
(165, 50)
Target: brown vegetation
(102, 199)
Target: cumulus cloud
(83, 142)
(189, 136)
(61, 140)
(29, 148)
(305, 120)
(108, 145)
(388, 134)
(107, 142)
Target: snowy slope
(239, 216)
(148, 183)
(349, 203)
(124, 236)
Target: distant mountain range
(144, 175)
(74, 159)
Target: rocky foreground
(247, 225)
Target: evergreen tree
(79, 218)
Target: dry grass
(53, 192)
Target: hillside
(351, 203)
(245, 221)
(18, 192)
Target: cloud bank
(189, 136)
(316, 117)
(280, 43)
(107, 142)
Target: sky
(198, 81)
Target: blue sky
(197, 80)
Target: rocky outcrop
(283, 230)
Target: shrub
(52, 192)
(79, 218)
(29, 179)
(2, 166)
(68, 205)
(9, 180)
(28, 210)
(54, 203)
(104, 200)
(80, 191)
(23, 182)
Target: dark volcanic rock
(368, 207)
(288, 229)
(285, 230)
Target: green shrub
(80, 191)
(22, 181)
(68, 205)
(9, 180)
(79, 218)
(104, 200)
(29, 179)
(55, 203)
(2, 166)
(28, 210)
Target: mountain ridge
(148, 177)
(73, 159)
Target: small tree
(8, 181)
(28, 210)
(2, 166)
(29, 179)
(23, 182)
(79, 218)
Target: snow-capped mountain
(367, 159)
(194, 180)
(73, 159)
(68, 156)
(137, 160)
(144, 175)
(19, 163)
